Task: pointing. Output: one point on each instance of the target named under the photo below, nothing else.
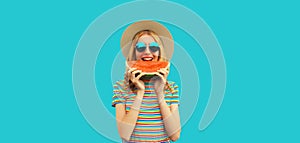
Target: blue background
(259, 40)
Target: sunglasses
(141, 47)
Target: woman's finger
(131, 70)
(166, 71)
(140, 75)
(160, 71)
(162, 77)
(135, 73)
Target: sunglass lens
(140, 46)
(140, 49)
(154, 48)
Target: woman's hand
(135, 75)
(160, 83)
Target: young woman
(147, 109)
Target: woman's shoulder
(120, 84)
(172, 87)
(172, 84)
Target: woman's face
(150, 53)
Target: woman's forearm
(171, 120)
(127, 123)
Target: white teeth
(147, 59)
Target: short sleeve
(173, 96)
(118, 95)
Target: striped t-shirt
(149, 126)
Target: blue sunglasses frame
(141, 47)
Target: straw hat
(163, 33)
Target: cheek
(138, 55)
(156, 54)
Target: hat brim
(163, 33)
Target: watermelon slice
(148, 67)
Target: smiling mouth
(147, 59)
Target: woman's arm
(171, 119)
(126, 122)
(170, 114)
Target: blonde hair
(132, 56)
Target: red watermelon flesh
(148, 66)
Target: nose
(147, 51)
